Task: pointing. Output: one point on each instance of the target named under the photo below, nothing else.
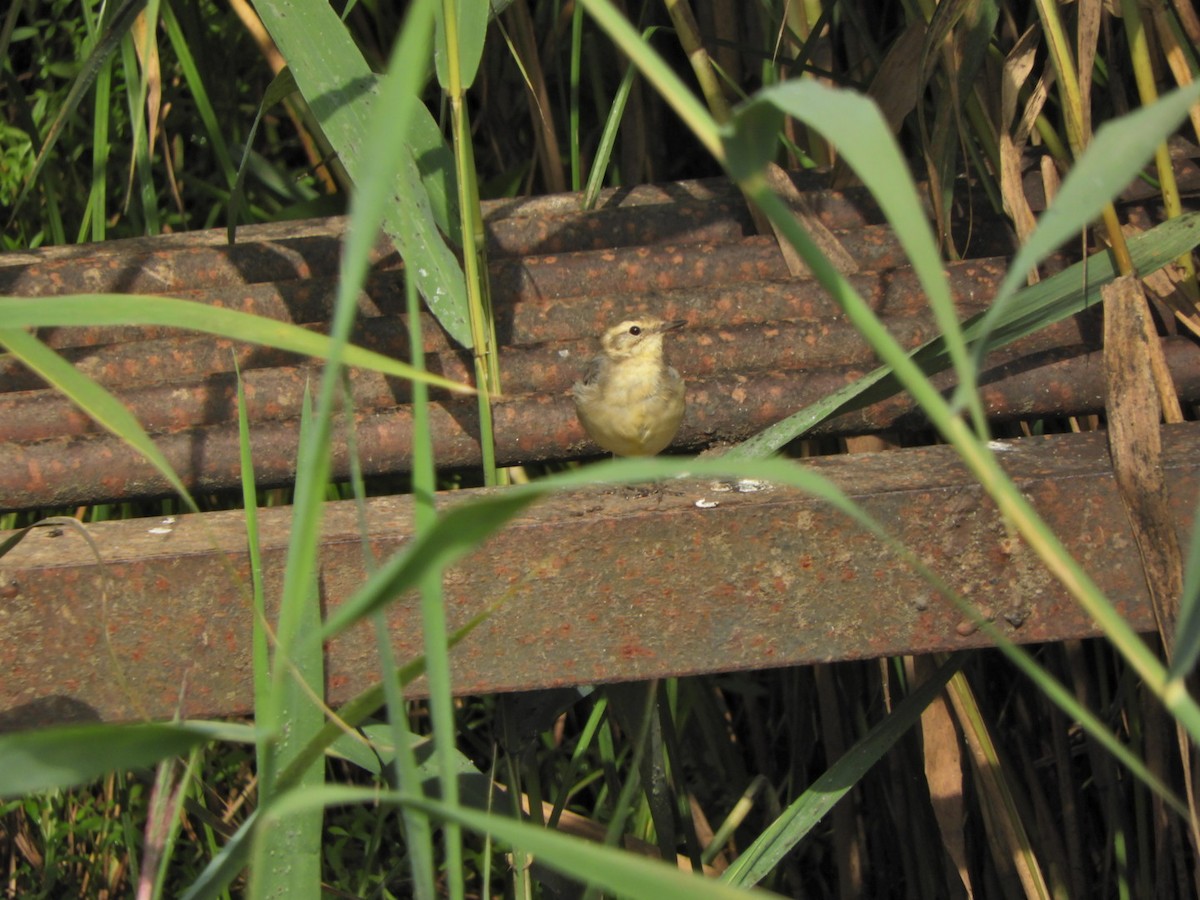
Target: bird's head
(636, 338)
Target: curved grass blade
(137, 309)
(1115, 156)
(1031, 309)
(281, 86)
(223, 868)
(608, 137)
(616, 871)
(199, 94)
(341, 91)
(48, 758)
(855, 125)
(93, 399)
(456, 533)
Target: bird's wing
(591, 375)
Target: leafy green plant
(400, 165)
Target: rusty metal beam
(689, 212)
(588, 586)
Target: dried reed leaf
(944, 774)
(145, 45)
(1009, 840)
(1134, 412)
(895, 88)
(898, 82)
(1087, 37)
(825, 239)
(1175, 57)
(1017, 67)
(1139, 388)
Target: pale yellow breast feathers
(630, 401)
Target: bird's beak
(671, 326)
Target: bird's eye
(635, 330)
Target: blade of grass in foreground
(278, 852)
(140, 309)
(617, 871)
(261, 652)
(341, 90)
(287, 706)
(93, 399)
(1031, 309)
(32, 761)
(433, 636)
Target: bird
(630, 401)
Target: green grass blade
(199, 94)
(139, 309)
(1031, 309)
(93, 399)
(810, 807)
(855, 125)
(456, 533)
(461, 27)
(608, 137)
(617, 871)
(260, 652)
(672, 88)
(433, 635)
(98, 195)
(225, 866)
(453, 38)
(341, 92)
(141, 151)
(1115, 156)
(276, 866)
(48, 758)
(573, 79)
(288, 711)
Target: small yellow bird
(630, 401)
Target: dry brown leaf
(1088, 29)
(1016, 70)
(1134, 373)
(825, 239)
(1135, 443)
(145, 44)
(1175, 56)
(944, 774)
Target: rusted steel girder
(599, 585)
